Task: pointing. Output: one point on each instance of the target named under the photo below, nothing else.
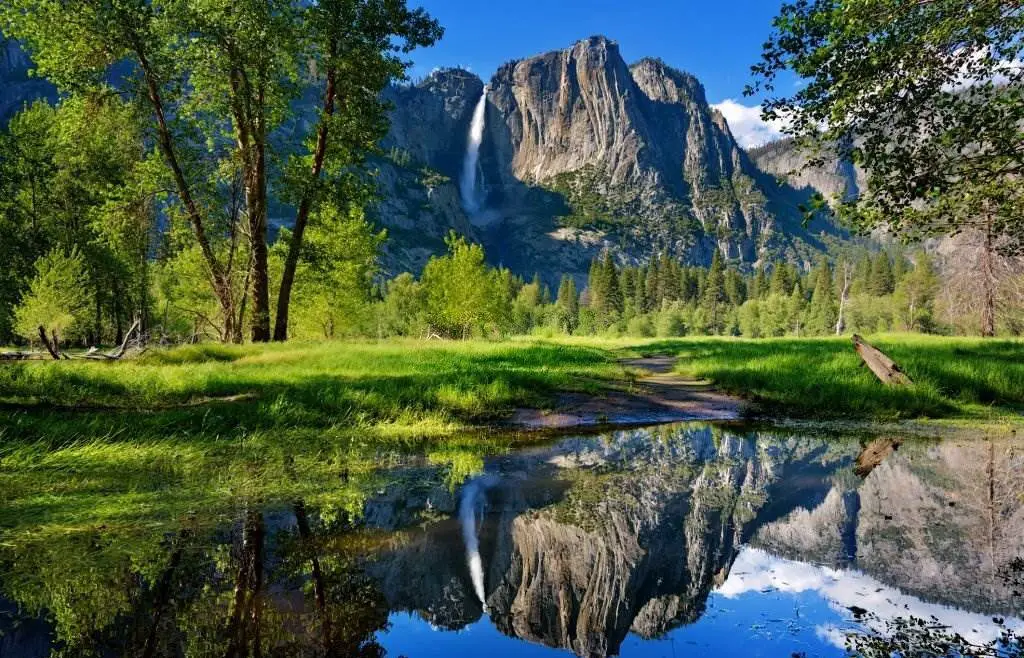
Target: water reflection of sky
(768, 606)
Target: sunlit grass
(824, 378)
(223, 389)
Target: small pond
(699, 540)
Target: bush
(670, 324)
(641, 325)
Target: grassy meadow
(409, 388)
(966, 378)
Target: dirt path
(659, 395)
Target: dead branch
(96, 355)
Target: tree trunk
(319, 589)
(302, 216)
(51, 348)
(844, 296)
(256, 200)
(988, 309)
(880, 364)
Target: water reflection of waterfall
(467, 184)
(471, 511)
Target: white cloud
(756, 570)
(746, 123)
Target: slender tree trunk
(162, 596)
(988, 309)
(50, 347)
(247, 607)
(843, 297)
(256, 195)
(302, 216)
(221, 285)
(319, 589)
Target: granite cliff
(583, 152)
(17, 87)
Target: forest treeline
(459, 295)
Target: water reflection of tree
(992, 493)
(914, 636)
(269, 585)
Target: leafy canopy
(926, 96)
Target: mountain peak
(666, 83)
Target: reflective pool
(665, 541)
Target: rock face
(834, 177)
(16, 87)
(582, 152)
(943, 523)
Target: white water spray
(471, 506)
(467, 184)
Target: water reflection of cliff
(942, 521)
(597, 538)
(581, 542)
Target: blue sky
(715, 40)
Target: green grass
(403, 386)
(823, 378)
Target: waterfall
(467, 184)
(470, 506)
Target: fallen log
(884, 368)
(52, 346)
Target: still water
(685, 540)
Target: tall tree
(714, 299)
(220, 78)
(881, 280)
(927, 97)
(568, 304)
(821, 313)
(355, 48)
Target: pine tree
(861, 275)
(669, 279)
(735, 288)
(596, 286)
(612, 285)
(689, 288)
(822, 313)
(780, 283)
(758, 286)
(568, 304)
(882, 281)
(626, 280)
(795, 310)
(652, 287)
(713, 301)
(639, 292)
